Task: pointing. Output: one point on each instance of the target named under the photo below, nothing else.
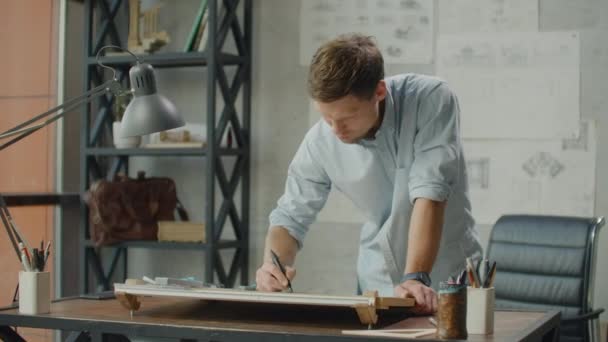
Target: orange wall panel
(26, 165)
(28, 68)
(25, 37)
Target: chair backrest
(546, 262)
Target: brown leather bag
(129, 209)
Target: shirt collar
(388, 122)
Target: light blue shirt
(416, 153)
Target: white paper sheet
(458, 16)
(594, 73)
(514, 85)
(571, 15)
(532, 177)
(403, 29)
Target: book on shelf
(202, 44)
(202, 34)
(178, 231)
(195, 27)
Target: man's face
(350, 117)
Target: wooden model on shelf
(150, 39)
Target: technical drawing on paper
(479, 172)
(594, 73)
(509, 85)
(403, 29)
(579, 143)
(550, 180)
(459, 16)
(543, 163)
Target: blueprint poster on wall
(458, 16)
(510, 85)
(402, 28)
(532, 177)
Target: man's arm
(269, 277)
(306, 190)
(423, 245)
(435, 170)
(425, 235)
(282, 243)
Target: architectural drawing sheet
(459, 16)
(532, 177)
(403, 29)
(510, 85)
(594, 73)
(572, 15)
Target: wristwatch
(422, 277)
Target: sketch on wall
(458, 16)
(479, 172)
(532, 177)
(510, 85)
(581, 142)
(572, 15)
(403, 29)
(594, 73)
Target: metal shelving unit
(99, 160)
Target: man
(393, 147)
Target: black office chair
(548, 262)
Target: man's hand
(269, 278)
(426, 298)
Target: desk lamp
(147, 113)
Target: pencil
(275, 260)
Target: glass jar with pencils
(452, 311)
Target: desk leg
(78, 336)
(85, 336)
(10, 335)
(101, 337)
(552, 335)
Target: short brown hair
(348, 64)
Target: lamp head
(148, 112)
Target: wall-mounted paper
(514, 85)
(403, 29)
(458, 16)
(532, 177)
(572, 15)
(594, 73)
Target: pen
(461, 277)
(472, 270)
(47, 251)
(491, 275)
(25, 260)
(275, 260)
(35, 260)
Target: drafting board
(366, 306)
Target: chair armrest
(584, 317)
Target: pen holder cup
(452, 311)
(480, 310)
(34, 292)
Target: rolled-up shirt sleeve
(437, 150)
(306, 190)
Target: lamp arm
(23, 130)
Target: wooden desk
(198, 321)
